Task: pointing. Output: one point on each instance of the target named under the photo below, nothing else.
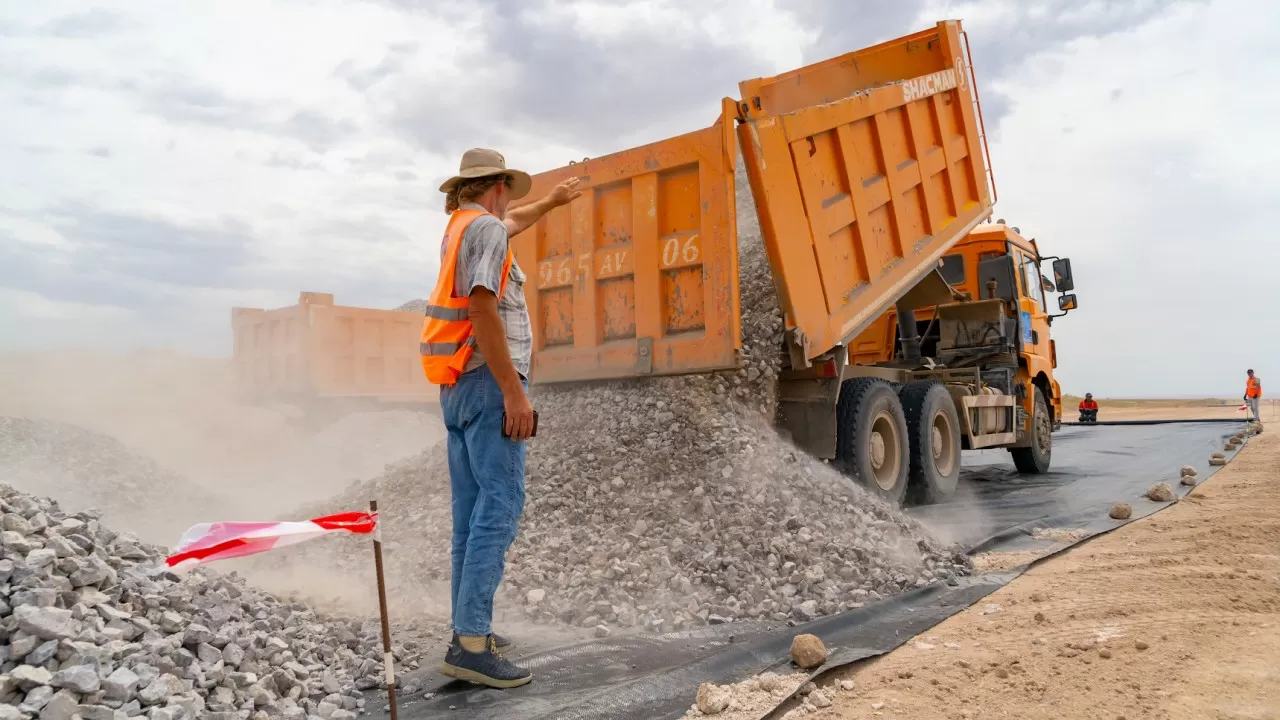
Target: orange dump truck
(317, 353)
(871, 186)
(914, 329)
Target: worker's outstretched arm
(519, 219)
(491, 337)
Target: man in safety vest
(477, 345)
(1088, 409)
(1253, 394)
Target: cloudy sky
(162, 162)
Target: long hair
(469, 189)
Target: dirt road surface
(1176, 616)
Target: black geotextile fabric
(655, 677)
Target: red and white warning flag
(207, 542)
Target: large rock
(79, 678)
(1121, 511)
(63, 706)
(807, 651)
(1160, 492)
(121, 684)
(712, 699)
(46, 623)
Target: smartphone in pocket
(532, 433)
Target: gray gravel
(93, 626)
(668, 503)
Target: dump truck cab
(984, 341)
(995, 261)
(992, 252)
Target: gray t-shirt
(480, 260)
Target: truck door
(1034, 319)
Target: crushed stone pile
(668, 502)
(85, 469)
(93, 626)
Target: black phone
(533, 433)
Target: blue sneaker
(485, 668)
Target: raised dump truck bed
(639, 276)
(865, 169)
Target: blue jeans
(486, 474)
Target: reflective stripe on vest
(448, 340)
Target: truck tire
(1034, 460)
(933, 430)
(871, 437)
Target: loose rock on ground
(92, 625)
(807, 651)
(747, 700)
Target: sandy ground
(1174, 616)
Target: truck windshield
(952, 269)
(1031, 280)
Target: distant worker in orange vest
(477, 344)
(1253, 394)
(1088, 409)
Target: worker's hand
(565, 192)
(519, 416)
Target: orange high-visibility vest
(448, 338)
(1088, 405)
(1253, 387)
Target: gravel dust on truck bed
(1176, 616)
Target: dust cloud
(108, 425)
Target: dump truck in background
(867, 171)
(327, 359)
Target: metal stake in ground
(387, 658)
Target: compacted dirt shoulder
(1175, 616)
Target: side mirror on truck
(1067, 303)
(1062, 275)
(1047, 284)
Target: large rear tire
(933, 428)
(871, 437)
(1034, 460)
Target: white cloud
(1143, 156)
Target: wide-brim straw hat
(481, 162)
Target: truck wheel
(1034, 460)
(871, 437)
(933, 427)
